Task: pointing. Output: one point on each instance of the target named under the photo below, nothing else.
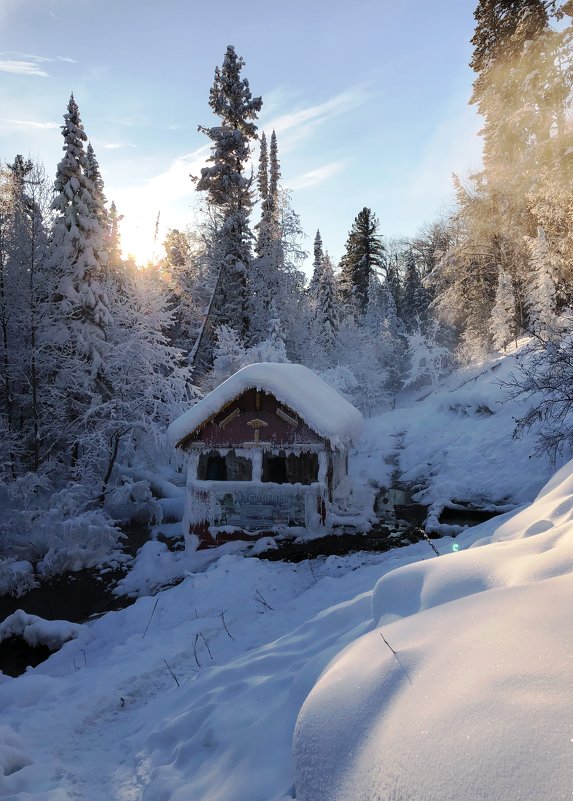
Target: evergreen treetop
(317, 266)
(229, 192)
(363, 257)
(230, 99)
(263, 175)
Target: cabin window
(238, 467)
(296, 468)
(275, 468)
(212, 467)
(215, 467)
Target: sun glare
(138, 238)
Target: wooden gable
(253, 417)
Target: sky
(369, 101)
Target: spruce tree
(114, 240)
(271, 349)
(182, 273)
(159, 380)
(506, 59)
(29, 196)
(522, 90)
(363, 257)
(263, 175)
(265, 285)
(229, 189)
(377, 308)
(326, 318)
(276, 333)
(93, 173)
(317, 265)
(76, 315)
(274, 175)
(414, 304)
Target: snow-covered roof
(321, 407)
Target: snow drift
(475, 702)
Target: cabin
(265, 450)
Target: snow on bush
(86, 540)
(16, 577)
(133, 500)
(37, 631)
(59, 532)
(428, 360)
(353, 504)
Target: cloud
(301, 123)
(30, 124)
(116, 145)
(314, 177)
(175, 182)
(27, 63)
(17, 54)
(22, 68)
(319, 113)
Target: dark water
(73, 596)
(16, 655)
(379, 539)
(397, 503)
(466, 517)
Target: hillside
(456, 443)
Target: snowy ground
(103, 718)
(200, 691)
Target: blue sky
(369, 100)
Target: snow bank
(469, 697)
(37, 631)
(299, 388)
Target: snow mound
(321, 406)
(37, 631)
(464, 689)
